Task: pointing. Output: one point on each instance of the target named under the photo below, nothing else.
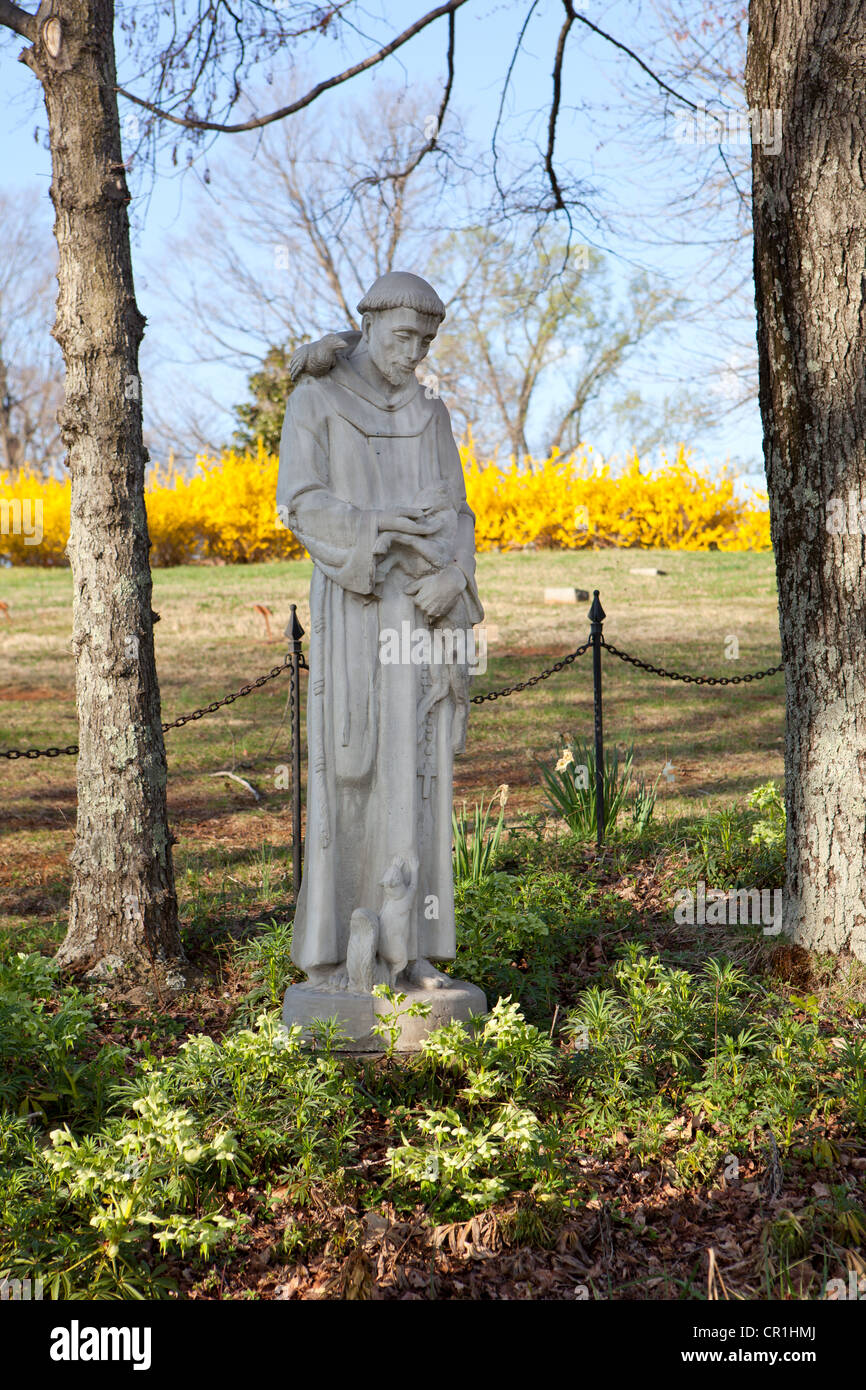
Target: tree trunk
(808, 61)
(10, 445)
(123, 910)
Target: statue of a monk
(370, 481)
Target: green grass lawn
(721, 742)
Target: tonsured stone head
(401, 315)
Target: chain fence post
(295, 632)
(596, 618)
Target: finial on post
(293, 630)
(596, 613)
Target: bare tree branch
(440, 116)
(631, 53)
(18, 20)
(256, 122)
(503, 93)
(570, 17)
(560, 203)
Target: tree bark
(10, 444)
(123, 909)
(807, 59)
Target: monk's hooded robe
(379, 778)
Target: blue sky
(589, 147)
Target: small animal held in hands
(399, 881)
(418, 555)
(361, 951)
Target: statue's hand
(412, 522)
(435, 593)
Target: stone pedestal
(357, 1012)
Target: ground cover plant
(684, 1094)
(652, 1109)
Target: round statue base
(357, 1013)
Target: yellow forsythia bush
(570, 502)
(224, 512)
(34, 518)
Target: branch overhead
(18, 20)
(624, 48)
(256, 122)
(554, 104)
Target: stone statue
(371, 483)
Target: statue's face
(397, 340)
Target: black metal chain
(533, 680)
(72, 748)
(690, 680)
(230, 699)
(38, 752)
